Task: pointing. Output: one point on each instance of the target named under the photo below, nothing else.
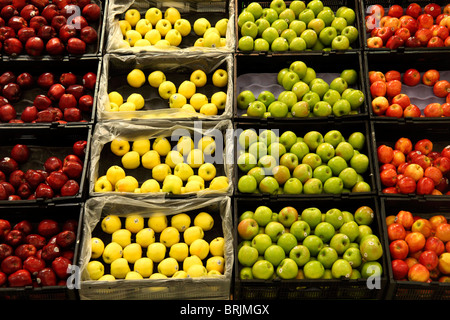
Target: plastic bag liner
(177, 67)
(171, 288)
(190, 10)
(102, 158)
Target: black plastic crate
(364, 6)
(413, 290)
(385, 132)
(319, 289)
(346, 128)
(332, 4)
(420, 95)
(78, 67)
(60, 213)
(250, 75)
(44, 143)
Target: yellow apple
(223, 42)
(136, 78)
(163, 44)
(131, 160)
(183, 170)
(195, 158)
(163, 26)
(161, 145)
(120, 146)
(137, 99)
(209, 109)
(143, 26)
(142, 43)
(188, 108)
(198, 100)
(187, 88)
(194, 186)
(150, 159)
(153, 36)
(127, 106)
(200, 26)
(103, 185)
(177, 100)
(207, 144)
(184, 145)
(161, 171)
(219, 183)
(123, 44)
(112, 107)
(196, 177)
(219, 98)
(222, 26)
(198, 77)
(207, 171)
(199, 42)
(166, 89)
(153, 15)
(220, 78)
(114, 174)
(155, 78)
(132, 36)
(172, 14)
(183, 26)
(127, 184)
(115, 97)
(173, 158)
(132, 16)
(124, 26)
(174, 37)
(211, 40)
(150, 185)
(141, 146)
(213, 30)
(173, 184)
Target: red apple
(86, 102)
(48, 228)
(399, 269)
(396, 231)
(433, 9)
(393, 88)
(46, 277)
(435, 42)
(416, 241)
(53, 164)
(399, 249)
(405, 218)
(403, 33)
(60, 265)
(441, 88)
(429, 259)
(55, 47)
(33, 264)
(395, 42)
(388, 177)
(413, 42)
(11, 264)
(25, 80)
(49, 12)
(384, 33)
(425, 185)
(433, 110)
(412, 111)
(425, 20)
(411, 77)
(406, 185)
(419, 273)
(36, 240)
(56, 91)
(425, 146)
(91, 12)
(89, 80)
(435, 244)
(76, 46)
(446, 109)
(394, 110)
(378, 89)
(380, 105)
(395, 11)
(70, 188)
(25, 250)
(46, 33)
(88, 35)
(392, 75)
(423, 161)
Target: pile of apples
(305, 95)
(308, 244)
(57, 177)
(64, 98)
(161, 30)
(413, 27)
(186, 168)
(419, 247)
(407, 168)
(291, 164)
(296, 27)
(186, 96)
(40, 27)
(36, 255)
(158, 247)
(389, 100)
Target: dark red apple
(12, 92)
(56, 91)
(88, 35)
(42, 102)
(25, 80)
(7, 77)
(46, 80)
(17, 23)
(67, 101)
(46, 33)
(89, 80)
(49, 12)
(16, 178)
(20, 153)
(29, 11)
(91, 12)
(46, 277)
(7, 113)
(48, 228)
(58, 21)
(66, 32)
(76, 46)
(55, 47)
(12, 46)
(70, 188)
(56, 180)
(37, 22)
(8, 165)
(53, 164)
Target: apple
(380, 105)
(300, 254)
(248, 228)
(261, 242)
(287, 216)
(274, 230)
(441, 88)
(425, 146)
(411, 77)
(399, 269)
(300, 229)
(262, 269)
(418, 272)
(399, 249)
(274, 254)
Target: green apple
(247, 184)
(345, 150)
(293, 186)
(297, 6)
(316, 6)
(246, 273)
(351, 229)
(341, 108)
(281, 173)
(281, 74)
(288, 97)
(298, 26)
(270, 15)
(361, 186)
(262, 25)
(341, 42)
(350, 76)
(270, 34)
(306, 16)
(348, 216)
(353, 256)
(258, 149)
(299, 67)
(340, 242)
(300, 88)
(278, 5)
(266, 97)
(310, 75)
(323, 173)
(327, 256)
(274, 254)
(261, 242)
(250, 29)
(287, 241)
(310, 37)
(356, 98)
(333, 137)
(276, 149)
(288, 15)
(311, 98)
(360, 162)
(262, 269)
(246, 161)
(319, 86)
(312, 216)
(325, 231)
(337, 164)
(269, 185)
(341, 268)
(289, 79)
(313, 270)
(339, 84)
(297, 44)
(364, 215)
(247, 256)
(287, 269)
(300, 149)
(357, 140)
(274, 229)
(331, 96)
(313, 139)
(348, 14)
(312, 159)
(317, 25)
(247, 137)
(371, 269)
(300, 254)
(364, 230)
(314, 244)
(327, 15)
(351, 33)
(245, 16)
(287, 216)
(371, 248)
(255, 9)
(258, 173)
(278, 109)
(245, 215)
(290, 160)
(300, 229)
(322, 109)
(288, 139)
(302, 172)
(333, 185)
(327, 35)
(263, 215)
(300, 110)
(256, 109)
(289, 35)
(268, 136)
(349, 177)
(244, 98)
(339, 24)
(355, 274)
(246, 43)
(280, 25)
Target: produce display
(168, 29)
(411, 27)
(159, 247)
(39, 28)
(419, 247)
(308, 243)
(296, 26)
(304, 93)
(46, 97)
(36, 254)
(311, 164)
(414, 167)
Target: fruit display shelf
(187, 20)
(45, 285)
(35, 178)
(293, 26)
(304, 285)
(160, 281)
(163, 85)
(52, 31)
(177, 155)
(408, 87)
(320, 173)
(425, 147)
(50, 94)
(415, 288)
(411, 26)
(313, 78)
